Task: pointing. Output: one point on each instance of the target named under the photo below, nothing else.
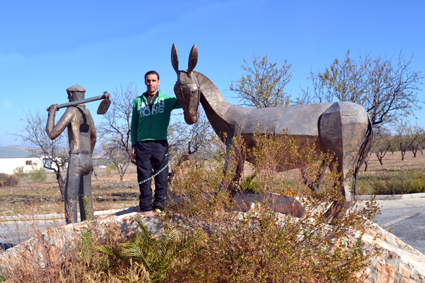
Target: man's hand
(133, 153)
(53, 108)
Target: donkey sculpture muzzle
(188, 95)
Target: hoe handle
(105, 95)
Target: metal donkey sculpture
(341, 128)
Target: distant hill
(27, 148)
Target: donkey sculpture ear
(175, 59)
(193, 59)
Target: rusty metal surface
(80, 126)
(82, 139)
(104, 106)
(341, 128)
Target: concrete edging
(54, 216)
(112, 211)
(390, 197)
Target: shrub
(208, 238)
(384, 183)
(111, 167)
(8, 180)
(418, 182)
(258, 246)
(19, 172)
(38, 174)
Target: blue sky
(47, 46)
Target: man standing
(149, 129)
(82, 139)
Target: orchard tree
(189, 140)
(418, 139)
(114, 131)
(382, 143)
(54, 154)
(263, 84)
(116, 154)
(387, 88)
(404, 137)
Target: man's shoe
(158, 208)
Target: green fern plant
(87, 238)
(156, 255)
(249, 185)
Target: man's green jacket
(152, 125)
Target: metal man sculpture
(342, 128)
(82, 139)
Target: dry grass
(48, 198)
(227, 246)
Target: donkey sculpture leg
(338, 128)
(235, 161)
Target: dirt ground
(393, 163)
(45, 197)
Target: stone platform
(398, 262)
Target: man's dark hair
(152, 73)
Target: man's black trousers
(152, 154)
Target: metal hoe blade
(103, 106)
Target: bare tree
(115, 129)
(382, 142)
(54, 154)
(387, 88)
(186, 141)
(404, 137)
(264, 83)
(418, 139)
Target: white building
(13, 157)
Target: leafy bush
(111, 167)
(258, 246)
(38, 174)
(19, 172)
(8, 180)
(418, 182)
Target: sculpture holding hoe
(82, 139)
(340, 128)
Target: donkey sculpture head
(187, 88)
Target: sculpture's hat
(76, 88)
